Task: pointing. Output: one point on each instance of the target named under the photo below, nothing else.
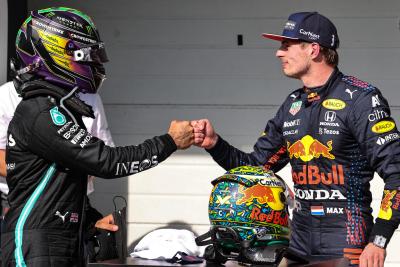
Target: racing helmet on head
(62, 46)
(248, 212)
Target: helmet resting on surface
(62, 46)
(249, 218)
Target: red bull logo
(276, 217)
(263, 194)
(396, 204)
(311, 175)
(308, 148)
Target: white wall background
(3, 40)
(178, 59)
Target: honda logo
(330, 116)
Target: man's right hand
(182, 133)
(204, 134)
(372, 256)
(107, 223)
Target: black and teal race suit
(49, 155)
(335, 137)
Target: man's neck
(317, 76)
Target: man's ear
(315, 50)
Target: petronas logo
(57, 117)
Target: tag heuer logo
(57, 117)
(296, 106)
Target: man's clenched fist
(182, 133)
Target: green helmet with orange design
(248, 212)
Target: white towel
(164, 243)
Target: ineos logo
(11, 141)
(330, 116)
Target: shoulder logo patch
(57, 117)
(334, 104)
(383, 126)
(375, 101)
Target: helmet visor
(95, 53)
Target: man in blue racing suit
(335, 131)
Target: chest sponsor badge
(334, 104)
(57, 117)
(296, 106)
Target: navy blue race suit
(334, 137)
(48, 159)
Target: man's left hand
(372, 256)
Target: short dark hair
(331, 56)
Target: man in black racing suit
(335, 132)
(49, 153)
(49, 156)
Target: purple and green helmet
(62, 46)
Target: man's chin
(290, 75)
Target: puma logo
(350, 92)
(61, 216)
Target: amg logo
(85, 141)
